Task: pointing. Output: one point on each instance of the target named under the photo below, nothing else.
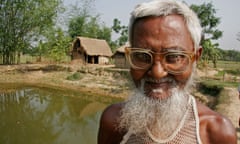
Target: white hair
(164, 8)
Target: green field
(227, 65)
(228, 74)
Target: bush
(235, 72)
(75, 76)
(210, 88)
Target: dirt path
(231, 108)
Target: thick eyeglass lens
(176, 62)
(141, 59)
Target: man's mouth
(158, 89)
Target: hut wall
(120, 61)
(103, 60)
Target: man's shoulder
(108, 130)
(211, 116)
(111, 114)
(113, 109)
(218, 127)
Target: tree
(59, 45)
(206, 12)
(232, 55)
(84, 23)
(76, 26)
(80, 15)
(56, 45)
(21, 22)
(89, 26)
(122, 30)
(211, 52)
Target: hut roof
(95, 46)
(121, 49)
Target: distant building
(119, 58)
(90, 50)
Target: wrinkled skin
(159, 34)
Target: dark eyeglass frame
(129, 50)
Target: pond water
(33, 115)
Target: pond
(37, 115)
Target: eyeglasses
(173, 61)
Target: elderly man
(164, 38)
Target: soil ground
(231, 109)
(95, 80)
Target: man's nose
(157, 70)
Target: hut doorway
(92, 59)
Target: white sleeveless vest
(186, 133)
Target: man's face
(161, 34)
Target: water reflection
(33, 115)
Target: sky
(227, 11)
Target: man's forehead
(159, 19)
(163, 32)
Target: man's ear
(198, 53)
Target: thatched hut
(119, 58)
(90, 50)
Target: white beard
(161, 117)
